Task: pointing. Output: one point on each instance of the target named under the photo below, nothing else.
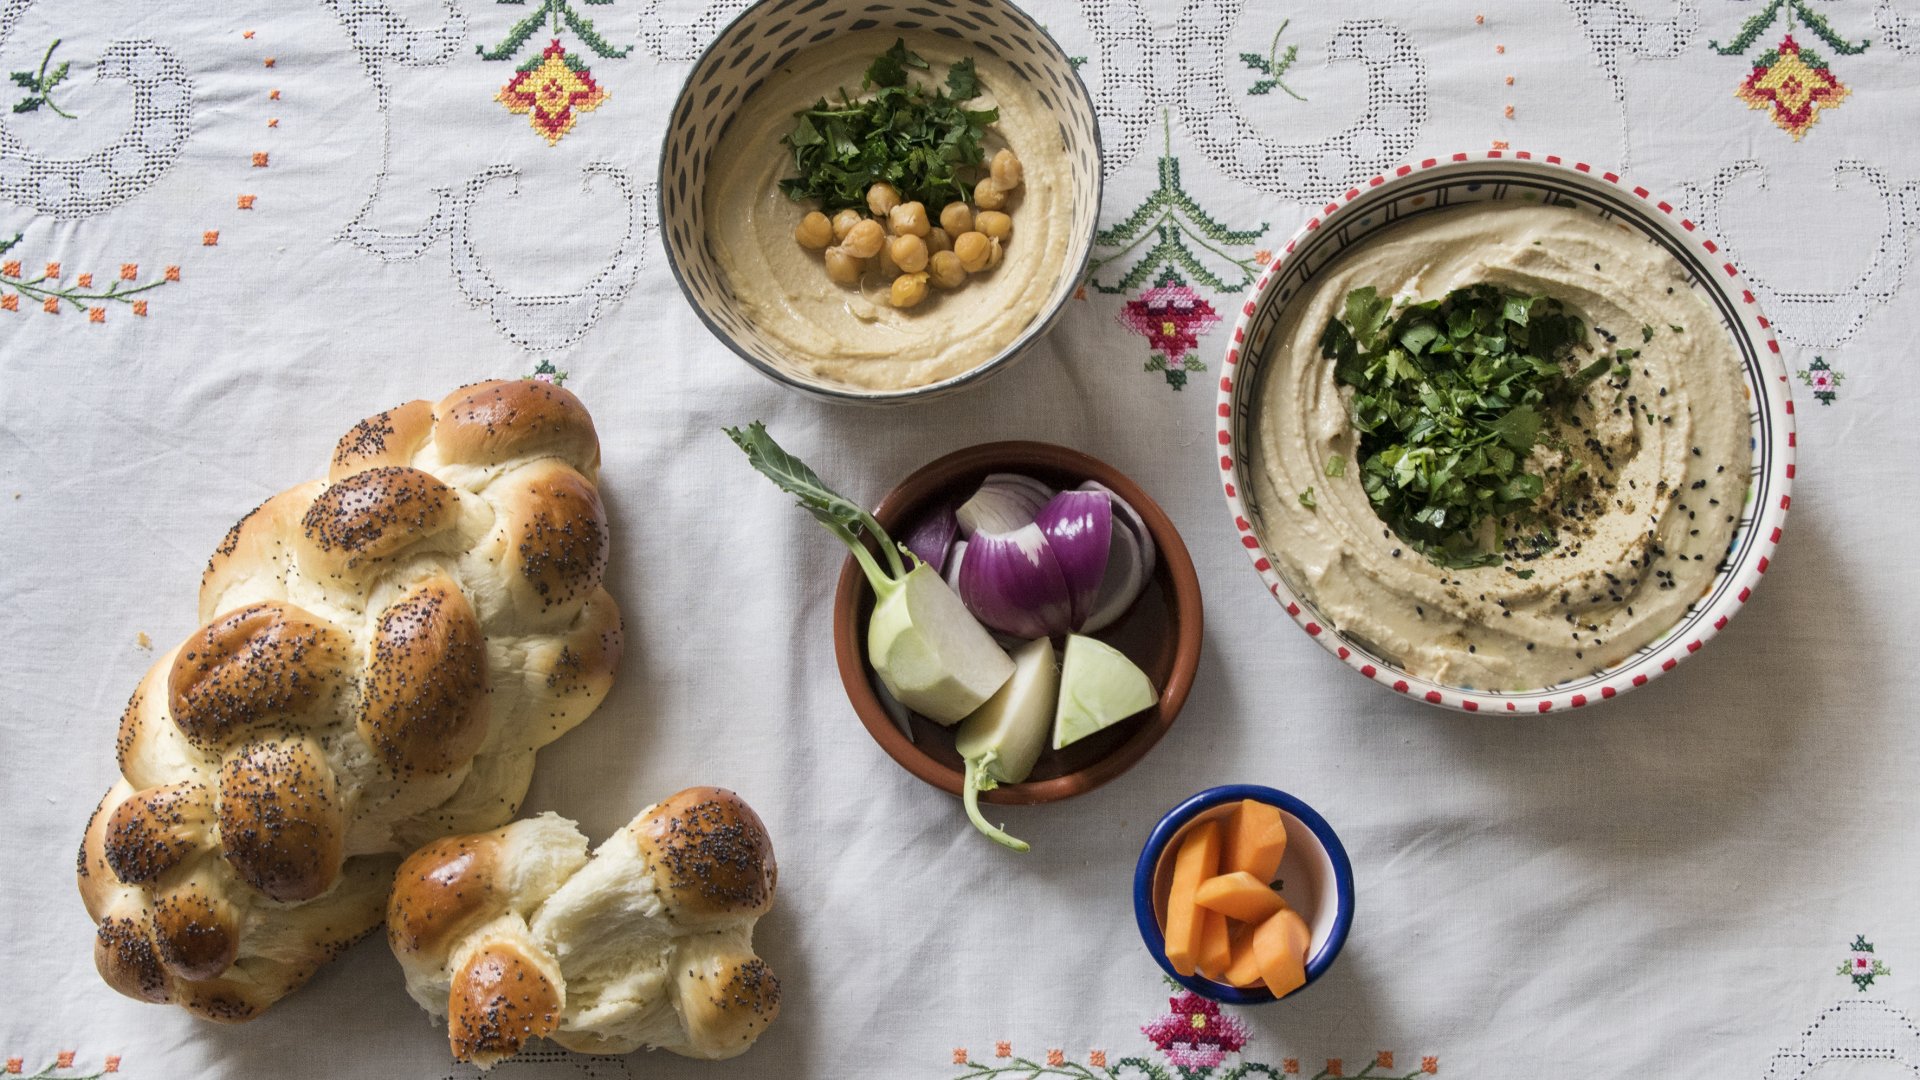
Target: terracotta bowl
(1161, 633)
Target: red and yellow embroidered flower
(1195, 1033)
(552, 89)
(1171, 317)
(1793, 84)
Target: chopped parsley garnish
(1336, 466)
(923, 142)
(1450, 396)
(1646, 334)
(1307, 499)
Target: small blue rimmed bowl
(1315, 879)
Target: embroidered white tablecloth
(242, 226)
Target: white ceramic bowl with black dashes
(764, 39)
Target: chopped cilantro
(923, 142)
(1646, 334)
(1523, 574)
(1307, 500)
(1450, 396)
(1676, 329)
(1336, 466)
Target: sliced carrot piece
(1216, 952)
(1239, 895)
(1256, 840)
(1197, 860)
(1280, 952)
(1245, 969)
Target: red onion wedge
(1013, 583)
(1130, 562)
(1004, 502)
(1079, 528)
(930, 539)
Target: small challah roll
(517, 933)
(379, 658)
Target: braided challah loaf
(517, 933)
(381, 656)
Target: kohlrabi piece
(930, 651)
(1003, 738)
(1099, 687)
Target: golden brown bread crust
(268, 663)
(425, 690)
(388, 438)
(502, 996)
(711, 854)
(727, 998)
(443, 891)
(380, 655)
(282, 821)
(491, 422)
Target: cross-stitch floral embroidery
(1194, 1032)
(1171, 316)
(552, 90)
(1178, 225)
(1862, 966)
(1822, 380)
(1794, 85)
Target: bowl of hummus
(1505, 432)
(958, 136)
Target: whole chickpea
(814, 231)
(908, 219)
(995, 224)
(1006, 171)
(939, 240)
(843, 268)
(956, 218)
(864, 240)
(844, 221)
(882, 198)
(945, 270)
(988, 197)
(909, 253)
(973, 250)
(908, 290)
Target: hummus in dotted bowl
(1665, 481)
(729, 228)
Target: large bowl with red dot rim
(1435, 183)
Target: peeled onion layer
(931, 653)
(1125, 579)
(930, 539)
(1126, 515)
(1004, 502)
(1013, 583)
(1078, 526)
(1099, 687)
(1006, 734)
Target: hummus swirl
(850, 335)
(1636, 529)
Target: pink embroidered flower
(1171, 318)
(1195, 1034)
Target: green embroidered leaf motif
(26, 104)
(1256, 62)
(26, 79)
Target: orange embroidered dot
(270, 61)
(1383, 1060)
(10, 302)
(1501, 49)
(113, 1063)
(273, 95)
(1499, 144)
(1509, 112)
(1509, 80)
(246, 201)
(98, 314)
(11, 268)
(259, 159)
(63, 1060)
(1480, 20)
(129, 271)
(14, 1065)
(1429, 1065)
(1333, 1067)
(53, 269)
(173, 273)
(1003, 1049)
(140, 309)
(246, 34)
(1055, 1059)
(52, 305)
(1097, 1058)
(210, 238)
(85, 281)
(274, 122)
(959, 1055)
(1290, 1066)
